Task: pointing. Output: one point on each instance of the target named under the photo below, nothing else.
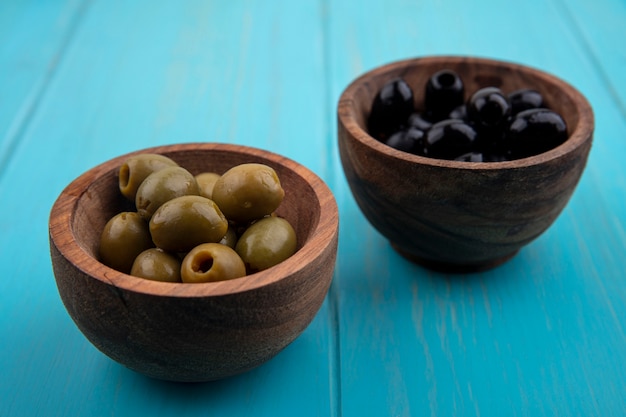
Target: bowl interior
(100, 198)
(476, 73)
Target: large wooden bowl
(193, 332)
(461, 216)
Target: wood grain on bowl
(193, 332)
(452, 215)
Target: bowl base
(454, 268)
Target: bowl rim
(582, 133)
(61, 232)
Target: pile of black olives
(202, 228)
(490, 126)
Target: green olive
(230, 238)
(184, 222)
(212, 262)
(206, 181)
(248, 191)
(137, 168)
(157, 265)
(124, 237)
(266, 243)
(162, 186)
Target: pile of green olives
(196, 228)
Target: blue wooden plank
(33, 36)
(541, 335)
(201, 72)
(134, 76)
(600, 31)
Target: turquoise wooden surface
(82, 81)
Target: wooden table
(83, 81)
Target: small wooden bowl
(461, 216)
(193, 332)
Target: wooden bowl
(461, 216)
(193, 332)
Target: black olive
(449, 139)
(444, 92)
(488, 109)
(419, 121)
(534, 131)
(391, 108)
(410, 140)
(525, 99)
